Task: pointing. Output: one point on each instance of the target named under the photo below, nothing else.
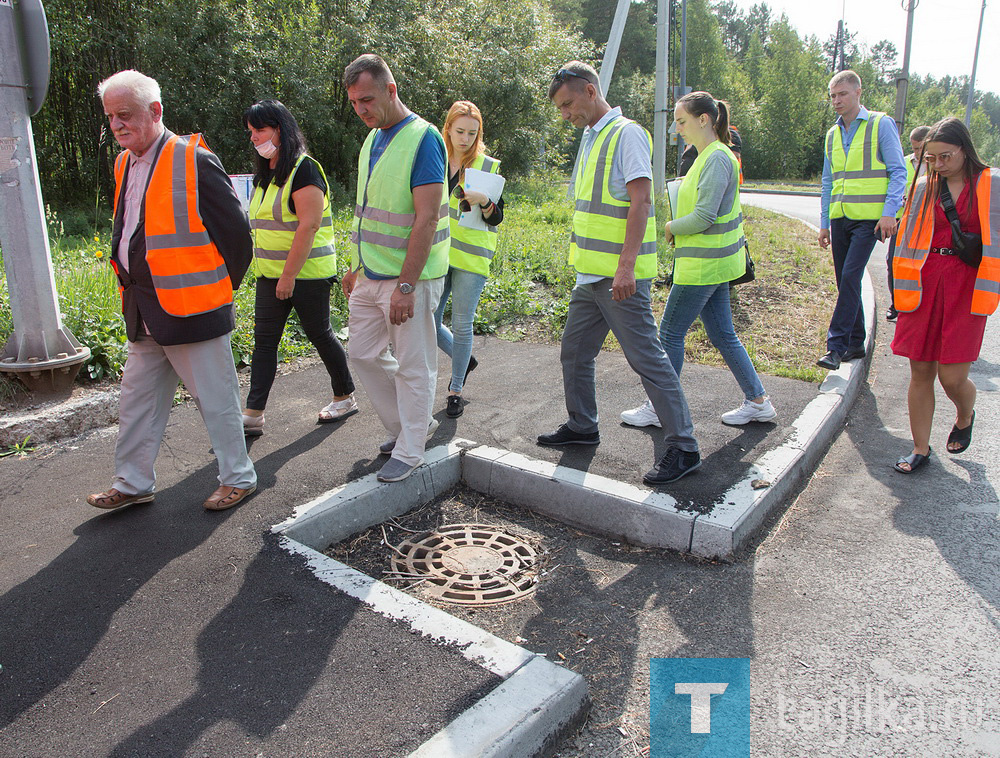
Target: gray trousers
(148, 385)
(592, 314)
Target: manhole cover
(469, 564)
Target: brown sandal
(112, 499)
(226, 497)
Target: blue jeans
(710, 301)
(852, 243)
(465, 288)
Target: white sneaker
(337, 410)
(750, 411)
(644, 415)
(253, 426)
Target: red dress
(942, 327)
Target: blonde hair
(457, 110)
(845, 77)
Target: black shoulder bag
(968, 247)
(747, 276)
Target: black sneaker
(891, 314)
(674, 464)
(472, 367)
(566, 436)
(455, 407)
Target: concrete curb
(537, 702)
(51, 423)
(779, 192)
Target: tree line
(213, 58)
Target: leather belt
(944, 251)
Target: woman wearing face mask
(709, 242)
(944, 293)
(294, 259)
(471, 249)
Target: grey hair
(144, 89)
(920, 133)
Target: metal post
(607, 68)
(683, 75)
(661, 119)
(903, 80)
(975, 62)
(40, 352)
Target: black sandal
(961, 436)
(914, 461)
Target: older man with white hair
(180, 246)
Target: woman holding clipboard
(707, 229)
(471, 249)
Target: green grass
(781, 317)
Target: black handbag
(968, 247)
(751, 270)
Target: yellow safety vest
(384, 213)
(600, 218)
(716, 254)
(473, 249)
(860, 178)
(274, 225)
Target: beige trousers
(397, 365)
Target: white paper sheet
(490, 185)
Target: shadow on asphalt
(115, 554)
(960, 516)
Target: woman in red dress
(943, 301)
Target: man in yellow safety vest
(864, 175)
(613, 249)
(399, 256)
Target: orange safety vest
(913, 242)
(189, 275)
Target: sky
(944, 31)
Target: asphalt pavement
(163, 630)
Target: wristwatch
(405, 288)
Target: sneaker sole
(333, 420)
(396, 478)
(658, 482)
(744, 423)
(640, 426)
(252, 432)
(569, 442)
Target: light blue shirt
(891, 152)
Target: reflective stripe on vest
(384, 214)
(189, 275)
(913, 243)
(716, 254)
(274, 225)
(599, 219)
(860, 178)
(472, 249)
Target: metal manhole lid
(469, 564)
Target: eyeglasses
(942, 157)
(564, 73)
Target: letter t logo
(701, 702)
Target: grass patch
(781, 317)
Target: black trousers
(311, 301)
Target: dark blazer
(229, 229)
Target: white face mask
(266, 149)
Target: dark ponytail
(698, 103)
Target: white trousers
(400, 380)
(148, 386)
